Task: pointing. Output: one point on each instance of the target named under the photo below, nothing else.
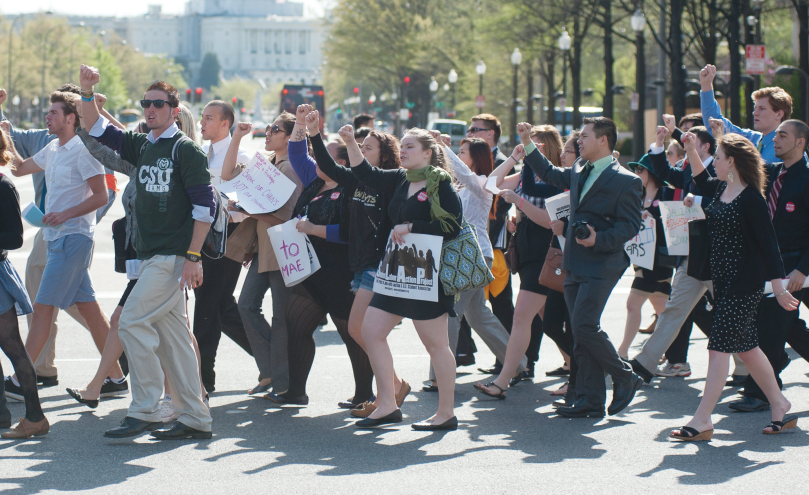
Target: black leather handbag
(699, 250)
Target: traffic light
(244, 110)
(188, 95)
(407, 79)
(356, 91)
(234, 100)
(198, 98)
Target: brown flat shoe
(403, 391)
(363, 410)
(27, 429)
(651, 328)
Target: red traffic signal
(244, 110)
(407, 79)
(320, 93)
(199, 91)
(188, 91)
(234, 100)
(188, 94)
(356, 90)
(285, 91)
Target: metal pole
(661, 65)
(454, 116)
(480, 90)
(513, 138)
(640, 86)
(10, 43)
(564, 92)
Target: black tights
(12, 346)
(303, 315)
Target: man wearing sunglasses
(174, 209)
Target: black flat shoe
(303, 400)
(394, 417)
(520, 377)
(47, 381)
(749, 404)
(87, 402)
(641, 371)
(180, 432)
(131, 427)
(429, 387)
(260, 389)
(623, 394)
(735, 380)
(449, 425)
(581, 409)
(560, 371)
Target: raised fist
(242, 129)
(3, 96)
(668, 121)
(347, 133)
(313, 122)
(689, 141)
(88, 77)
(706, 77)
(660, 135)
(302, 112)
(524, 131)
(717, 127)
(100, 100)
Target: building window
(302, 42)
(287, 41)
(253, 41)
(277, 42)
(267, 41)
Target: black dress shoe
(180, 432)
(465, 360)
(394, 417)
(449, 425)
(642, 372)
(623, 393)
(284, 400)
(560, 371)
(92, 404)
(491, 371)
(748, 403)
(735, 380)
(47, 381)
(131, 427)
(581, 409)
(13, 391)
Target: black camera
(580, 230)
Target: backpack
(214, 245)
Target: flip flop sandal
(482, 390)
(787, 423)
(688, 434)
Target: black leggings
(12, 346)
(304, 314)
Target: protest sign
(296, 257)
(675, 216)
(641, 248)
(261, 188)
(558, 207)
(491, 185)
(410, 270)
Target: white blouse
(476, 200)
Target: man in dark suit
(608, 198)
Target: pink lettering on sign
(676, 222)
(290, 249)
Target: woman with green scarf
(423, 201)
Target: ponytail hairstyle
(482, 163)
(437, 158)
(747, 159)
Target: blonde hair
(437, 158)
(5, 145)
(186, 122)
(550, 137)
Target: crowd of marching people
(357, 196)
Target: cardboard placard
(675, 216)
(558, 208)
(295, 254)
(641, 248)
(261, 188)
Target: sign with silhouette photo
(410, 270)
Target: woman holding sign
(744, 254)
(423, 202)
(368, 230)
(653, 285)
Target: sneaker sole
(129, 435)
(116, 393)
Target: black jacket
(679, 176)
(761, 260)
(791, 221)
(499, 221)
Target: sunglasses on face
(272, 130)
(473, 130)
(156, 103)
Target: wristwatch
(193, 257)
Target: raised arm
(374, 177)
(464, 174)
(17, 165)
(662, 169)
(104, 155)
(710, 108)
(336, 172)
(89, 77)
(232, 155)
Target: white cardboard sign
(261, 187)
(558, 208)
(410, 270)
(675, 216)
(294, 252)
(641, 248)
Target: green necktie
(760, 144)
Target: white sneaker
(167, 412)
(677, 369)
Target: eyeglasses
(272, 130)
(473, 130)
(156, 103)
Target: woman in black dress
(423, 202)
(744, 254)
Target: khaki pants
(44, 365)
(685, 294)
(155, 336)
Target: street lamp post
(788, 70)
(516, 59)
(638, 22)
(564, 45)
(480, 68)
(433, 90)
(452, 77)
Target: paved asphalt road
(514, 446)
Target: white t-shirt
(67, 169)
(220, 149)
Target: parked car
(456, 129)
(259, 129)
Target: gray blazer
(612, 207)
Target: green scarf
(433, 176)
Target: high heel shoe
(77, 395)
(787, 423)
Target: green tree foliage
(209, 71)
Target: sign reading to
(295, 254)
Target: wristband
(192, 252)
(520, 207)
(781, 294)
(90, 98)
(298, 123)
